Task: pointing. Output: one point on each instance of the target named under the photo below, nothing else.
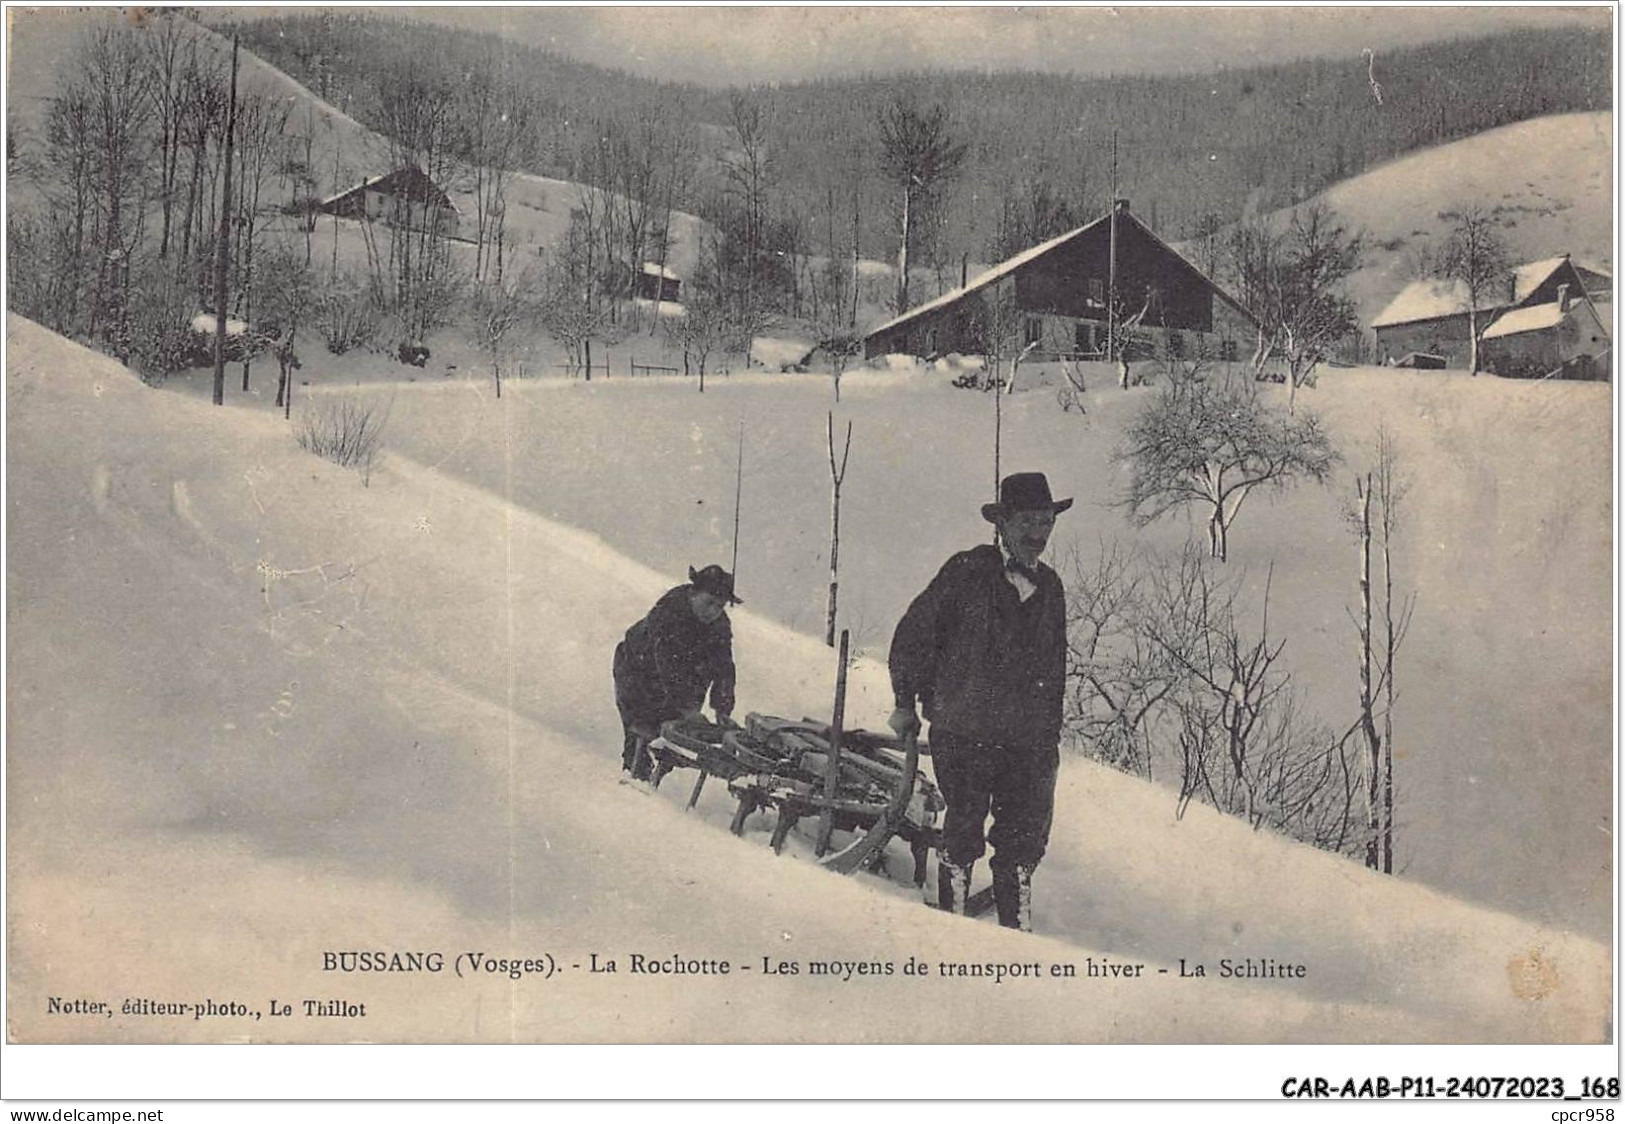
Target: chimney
(1512, 287)
(1563, 297)
(1121, 206)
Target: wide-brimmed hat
(714, 580)
(1023, 491)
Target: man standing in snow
(983, 649)
(671, 658)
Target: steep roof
(1535, 318)
(1435, 298)
(1539, 317)
(409, 181)
(1010, 265)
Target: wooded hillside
(1193, 150)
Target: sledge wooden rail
(861, 850)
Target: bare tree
(842, 348)
(699, 333)
(118, 86)
(749, 172)
(837, 477)
(261, 119)
(166, 64)
(289, 299)
(1475, 256)
(498, 307)
(1117, 679)
(917, 154)
(1385, 486)
(494, 136)
(1298, 295)
(1211, 442)
(1167, 677)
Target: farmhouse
(1056, 298)
(654, 282)
(406, 197)
(1565, 338)
(1430, 316)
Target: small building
(1565, 338)
(654, 282)
(1430, 315)
(406, 197)
(1054, 298)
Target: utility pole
(1111, 264)
(222, 248)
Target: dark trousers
(641, 716)
(1015, 784)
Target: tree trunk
(1216, 535)
(1367, 721)
(1472, 341)
(223, 250)
(902, 253)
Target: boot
(1013, 895)
(953, 885)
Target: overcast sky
(724, 45)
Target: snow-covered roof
(1426, 299)
(1434, 298)
(1535, 318)
(204, 323)
(1009, 266)
(408, 172)
(655, 269)
(1532, 275)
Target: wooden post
(1111, 265)
(832, 778)
(739, 487)
(837, 476)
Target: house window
(1176, 343)
(1227, 350)
(1097, 291)
(1035, 330)
(1083, 336)
(930, 341)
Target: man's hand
(692, 716)
(904, 721)
(728, 721)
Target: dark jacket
(671, 658)
(984, 664)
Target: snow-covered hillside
(1547, 183)
(260, 710)
(1502, 678)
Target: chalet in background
(406, 197)
(1543, 316)
(1059, 294)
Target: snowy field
(261, 710)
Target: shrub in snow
(161, 339)
(344, 430)
(346, 314)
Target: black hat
(1023, 491)
(714, 580)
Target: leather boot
(953, 885)
(1013, 896)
